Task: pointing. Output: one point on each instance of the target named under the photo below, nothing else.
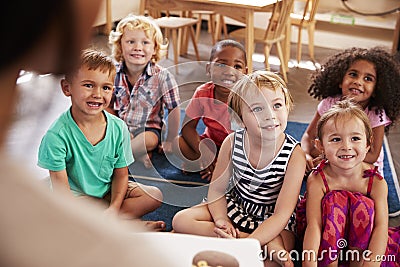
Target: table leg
(142, 7)
(288, 32)
(108, 26)
(249, 38)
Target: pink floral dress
(347, 221)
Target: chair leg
(283, 61)
(299, 44)
(192, 36)
(311, 29)
(224, 27)
(209, 21)
(211, 27)
(175, 47)
(220, 26)
(182, 41)
(287, 46)
(267, 49)
(198, 27)
(166, 35)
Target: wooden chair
(221, 24)
(212, 24)
(175, 26)
(305, 20)
(274, 34)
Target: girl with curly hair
(370, 77)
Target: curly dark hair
(325, 81)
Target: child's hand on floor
(207, 172)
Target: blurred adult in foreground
(36, 227)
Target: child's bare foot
(138, 225)
(155, 226)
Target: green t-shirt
(89, 167)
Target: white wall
(365, 6)
(367, 31)
(357, 30)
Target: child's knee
(179, 221)
(151, 140)
(155, 194)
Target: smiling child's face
(137, 48)
(344, 142)
(227, 66)
(264, 112)
(90, 91)
(359, 82)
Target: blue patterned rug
(184, 190)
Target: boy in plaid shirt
(142, 87)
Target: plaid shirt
(141, 105)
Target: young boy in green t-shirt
(87, 150)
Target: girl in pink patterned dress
(346, 206)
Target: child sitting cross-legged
(143, 88)
(87, 150)
(346, 207)
(226, 66)
(257, 178)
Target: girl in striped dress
(257, 178)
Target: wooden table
(241, 10)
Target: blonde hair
(342, 111)
(253, 83)
(135, 22)
(93, 60)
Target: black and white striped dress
(255, 191)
